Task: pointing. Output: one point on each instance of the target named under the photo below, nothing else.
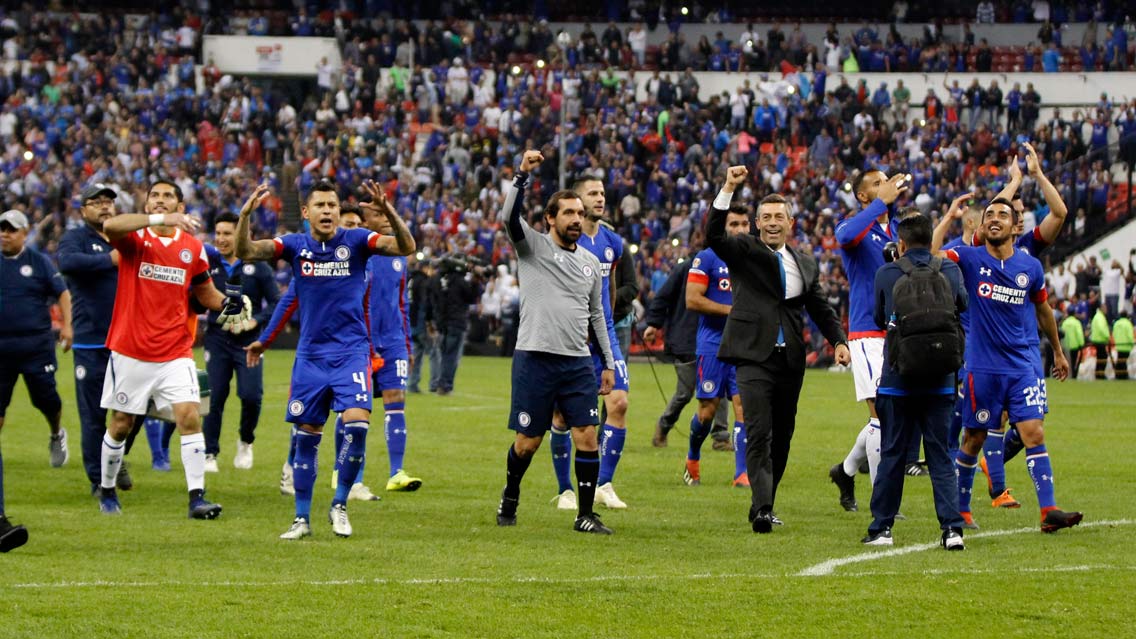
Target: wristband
(157, 219)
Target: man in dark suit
(772, 283)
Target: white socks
(867, 447)
(111, 460)
(193, 460)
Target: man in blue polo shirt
(29, 285)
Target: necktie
(784, 288)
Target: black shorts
(542, 383)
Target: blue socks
(1040, 470)
(699, 431)
(305, 465)
(561, 444)
(995, 462)
(610, 451)
(395, 426)
(739, 449)
(965, 465)
(350, 458)
(158, 453)
(339, 429)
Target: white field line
(828, 567)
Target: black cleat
(847, 486)
(1057, 519)
(199, 508)
(11, 537)
(775, 520)
(507, 511)
(122, 481)
(762, 522)
(591, 523)
(952, 539)
(916, 470)
(878, 538)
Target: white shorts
(132, 385)
(867, 365)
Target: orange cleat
(692, 475)
(968, 521)
(1005, 500)
(741, 481)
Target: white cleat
(243, 460)
(57, 447)
(566, 500)
(286, 487)
(340, 525)
(211, 464)
(299, 529)
(605, 496)
(360, 492)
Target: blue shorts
(542, 383)
(715, 378)
(1039, 366)
(393, 374)
(988, 394)
(320, 386)
(622, 380)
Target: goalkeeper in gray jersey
(561, 307)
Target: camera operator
(450, 293)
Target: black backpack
(926, 340)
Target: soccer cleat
(160, 465)
(986, 472)
(199, 508)
(108, 502)
(566, 500)
(847, 486)
(605, 496)
(775, 520)
(400, 481)
(915, 470)
(1055, 520)
(11, 537)
(659, 439)
(211, 464)
(57, 447)
(692, 475)
(122, 481)
(243, 460)
(722, 445)
(286, 487)
(741, 481)
(968, 521)
(360, 492)
(952, 539)
(340, 524)
(762, 522)
(878, 538)
(591, 523)
(299, 529)
(1005, 500)
(507, 511)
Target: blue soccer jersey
(390, 328)
(862, 239)
(710, 270)
(330, 279)
(607, 246)
(1002, 296)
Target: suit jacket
(759, 306)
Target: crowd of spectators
(115, 102)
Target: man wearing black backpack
(917, 300)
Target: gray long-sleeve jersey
(561, 289)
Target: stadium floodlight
(674, 241)
(420, 256)
(516, 69)
(634, 249)
(685, 11)
(792, 89)
(28, 155)
(922, 122)
(848, 186)
(540, 64)
(749, 43)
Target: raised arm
(120, 226)
(402, 243)
(515, 226)
(853, 229)
(1050, 227)
(248, 249)
(731, 249)
(955, 212)
(1015, 182)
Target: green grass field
(683, 562)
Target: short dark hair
(177, 189)
(322, 185)
(578, 183)
(350, 207)
(231, 218)
(553, 206)
(858, 181)
(774, 198)
(1005, 202)
(915, 231)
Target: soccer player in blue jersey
(708, 293)
(862, 238)
(607, 246)
(332, 370)
(1001, 373)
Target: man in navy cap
(29, 284)
(90, 265)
